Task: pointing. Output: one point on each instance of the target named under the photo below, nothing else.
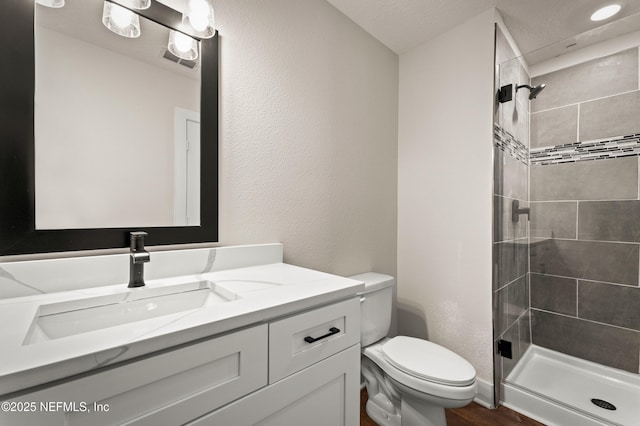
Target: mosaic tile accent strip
(624, 146)
(509, 144)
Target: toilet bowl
(410, 381)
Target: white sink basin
(69, 318)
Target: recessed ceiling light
(605, 12)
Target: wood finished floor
(471, 415)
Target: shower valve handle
(516, 211)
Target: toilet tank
(376, 306)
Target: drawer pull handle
(332, 331)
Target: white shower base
(557, 389)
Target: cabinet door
(168, 388)
(327, 393)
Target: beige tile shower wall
(585, 216)
(510, 238)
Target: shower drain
(603, 404)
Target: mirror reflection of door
(187, 168)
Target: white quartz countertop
(264, 293)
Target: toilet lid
(428, 361)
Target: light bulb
(120, 20)
(199, 7)
(183, 46)
(121, 16)
(605, 12)
(183, 42)
(137, 4)
(198, 22)
(199, 15)
(51, 3)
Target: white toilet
(409, 381)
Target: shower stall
(566, 228)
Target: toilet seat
(460, 393)
(428, 361)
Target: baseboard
(485, 394)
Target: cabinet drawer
(170, 388)
(336, 327)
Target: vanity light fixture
(120, 20)
(137, 4)
(51, 3)
(199, 15)
(183, 46)
(605, 12)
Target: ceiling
(402, 25)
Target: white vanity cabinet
(311, 384)
(275, 373)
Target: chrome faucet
(139, 256)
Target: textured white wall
(444, 194)
(308, 136)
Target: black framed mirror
(18, 231)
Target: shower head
(533, 91)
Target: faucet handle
(137, 240)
